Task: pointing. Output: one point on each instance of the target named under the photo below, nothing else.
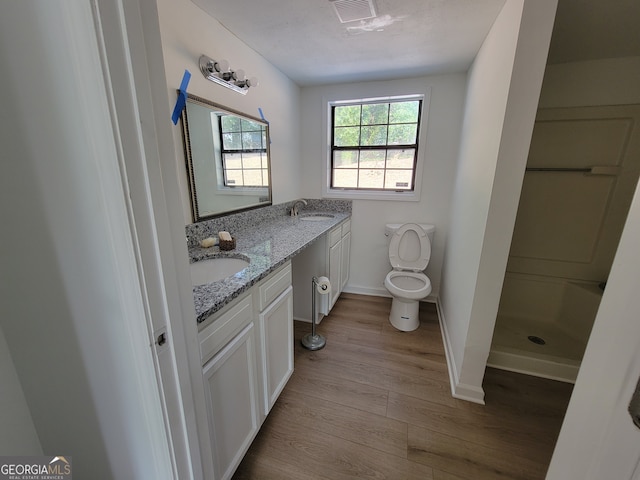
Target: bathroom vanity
(247, 357)
(245, 320)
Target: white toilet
(409, 254)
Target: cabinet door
(334, 272)
(276, 327)
(344, 260)
(232, 401)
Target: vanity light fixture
(218, 71)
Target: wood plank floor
(376, 403)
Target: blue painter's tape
(182, 97)
(185, 81)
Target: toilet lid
(409, 262)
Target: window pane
(233, 160)
(249, 125)
(404, 112)
(347, 137)
(372, 158)
(398, 179)
(234, 178)
(346, 116)
(370, 178)
(232, 141)
(375, 135)
(252, 177)
(251, 160)
(404, 134)
(345, 159)
(345, 178)
(251, 140)
(400, 158)
(375, 114)
(230, 123)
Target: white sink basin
(316, 218)
(214, 269)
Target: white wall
(503, 88)
(613, 81)
(369, 251)
(188, 32)
(70, 303)
(17, 432)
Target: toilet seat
(400, 262)
(408, 285)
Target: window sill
(363, 195)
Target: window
(244, 152)
(374, 144)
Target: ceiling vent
(353, 10)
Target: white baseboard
(373, 292)
(308, 320)
(470, 393)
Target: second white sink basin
(214, 269)
(316, 218)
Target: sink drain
(536, 340)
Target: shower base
(537, 348)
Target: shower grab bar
(595, 170)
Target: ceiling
(595, 29)
(306, 40)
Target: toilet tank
(390, 229)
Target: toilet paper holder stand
(313, 340)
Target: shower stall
(582, 171)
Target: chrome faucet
(294, 209)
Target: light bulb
(221, 66)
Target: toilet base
(405, 314)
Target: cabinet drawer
(335, 235)
(274, 285)
(225, 327)
(346, 227)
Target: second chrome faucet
(294, 209)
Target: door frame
(128, 34)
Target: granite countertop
(267, 245)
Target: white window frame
(407, 196)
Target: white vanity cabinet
(338, 260)
(247, 355)
(328, 256)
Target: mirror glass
(227, 155)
